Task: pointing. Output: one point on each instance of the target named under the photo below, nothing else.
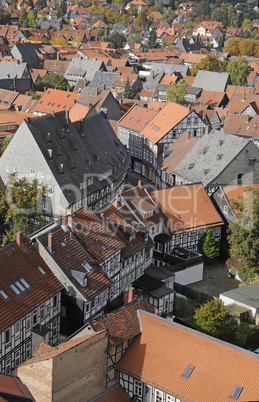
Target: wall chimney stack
(50, 243)
(19, 239)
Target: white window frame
(159, 395)
(8, 330)
(170, 398)
(28, 322)
(28, 351)
(32, 171)
(226, 209)
(8, 364)
(42, 310)
(17, 328)
(17, 357)
(137, 388)
(55, 301)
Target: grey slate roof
(160, 88)
(26, 53)
(103, 79)
(83, 68)
(169, 69)
(185, 45)
(210, 156)
(211, 81)
(11, 69)
(153, 80)
(248, 295)
(87, 96)
(76, 156)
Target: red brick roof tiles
(22, 262)
(13, 387)
(114, 394)
(163, 350)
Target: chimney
(70, 221)
(69, 211)
(130, 295)
(188, 135)
(96, 91)
(67, 116)
(139, 184)
(103, 87)
(50, 243)
(247, 119)
(64, 223)
(19, 239)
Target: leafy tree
(40, 5)
(5, 17)
(152, 40)
(52, 81)
(31, 20)
(239, 71)
(133, 38)
(244, 231)
(210, 63)
(23, 16)
(194, 70)
(222, 40)
(59, 42)
(117, 41)
(127, 93)
(177, 91)
(34, 95)
(210, 317)
(25, 23)
(208, 246)
(62, 9)
(6, 142)
(30, 3)
(220, 15)
(20, 207)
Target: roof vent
(50, 153)
(188, 371)
(73, 144)
(219, 156)
(191, 165)
(206, 171)
(58, 150)
(47, 137)
(71, 163)
(60, 168)
(204, 150)
(87, 266)
(61, 133)
(221, 142)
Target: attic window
(67, 96)
(48, 93)
(179, 216)
(41, 270)
(236, 392)
(130, 118)
(40, 102)
(145, 123)
(4, 295)
(64, 107)
(137, 120)
(19, 286)
(48, 103)
(58, 106)
(87, 266)
(188, 371)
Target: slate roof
(165, 347)
(212, 81)
(187, 207)
(83, 68)
(75, 156)
(103, 80)
(11, 69)
(169, 69)
(70, 257)
(210, 156)
(153, 80)
(123, 324)
(56, 66)
(22, 262)
(248, 295)
(26, 53)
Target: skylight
(188, 371)
(236, 392)
(87, 266)
(41, 270)
(19, 286)
(4, 295)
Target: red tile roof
(137, 118)
(187, 207)
(114, 394)
(55, 100)
(22, 262)
(13, 387)
(242, 125)
(161, 354)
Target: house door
(166, 306)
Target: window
(32, 171)
(158, 396)
(28, 322)
(147, 393)
(195, 133)
(35, 318)
(174, 133)
(8, 336)
(137, 388)
(226, 209)
(17, 358)
(7, 168)
(42, 313)
(55, 329)
(17, 330)
(170, 398)
(8, 366)
(28, 350)
(44, 206)
(47, 309)
(239, 179)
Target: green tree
(52, 81)
(117, 41)
(211, 317)
(152, 40)
(177, 92)
(23, 16)
(5, 17)
(244, 231)
(133, 38)
(6, 142)
(31, 19)
(62, 9)
(208, 246)
(239, 71)
(127, 93)
(21, 206)
(222, 40)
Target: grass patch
(192, 322)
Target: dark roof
(211, 81)
(22, 262)
(103, 80)
(27, 53)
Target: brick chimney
(19, 239)
(50, 243)
(64, 223)
(130, 295)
